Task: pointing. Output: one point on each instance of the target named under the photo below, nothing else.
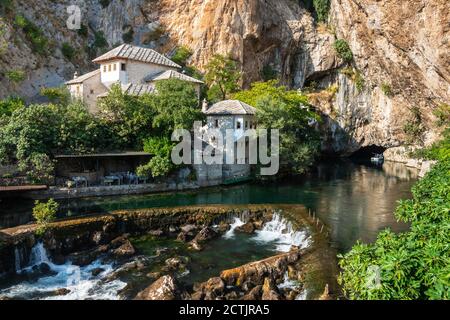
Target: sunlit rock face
(402, 45)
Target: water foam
(79, 280)
(236, 223)
(281, 232)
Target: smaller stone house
(136, 69)
(237, 116)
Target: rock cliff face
(400, 50)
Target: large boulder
(125, 250)
(249, 228)
(270, 290)
(165, 288)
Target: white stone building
(238, 117)
(136, 69)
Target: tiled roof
(138, 89)
(130, 52)
(84, 77)
(170, 74)
(230, 107)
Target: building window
(216, 123)
(246, 124)
(109, 68)
(238, 125)
(123, 67)
(92, 91)
(104, 68)
(114, 67)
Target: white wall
(112, 75)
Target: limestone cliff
(400, 50)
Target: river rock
(254, 294)
(194, 245)
(165, 288)
(223, 227)
(205, 234)
(125, 250)
(188, 228)
(95, 272)
(214, 288)
(176, 263)
(62, 292)
(249, 228)
(156, 233)
(269, 290)
(185, 236)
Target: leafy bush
(39, 168)
(100, 40)
(411, 265)
(387, 90)
(44, 214)
(360, 83)
(9, 105)
(439, 150)
(15, 76)
(68, 51)
(181, 55)
(414, 127)
(442, 113)
(38, 41)
(343, 50)
(128, 35)
(83, 31)
(322, 7)
(56, 95)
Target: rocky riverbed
(227, 252)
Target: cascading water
(237, 223)
(79, 281)
(281, 232)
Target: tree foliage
(343, 50)
(223, 77)
(44, 213)
(288, 111)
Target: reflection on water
(355, 199)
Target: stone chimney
(205, 105)
(75, 75)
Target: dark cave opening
(368, 152)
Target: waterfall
(78, 280)
(236, 223)
(38, 255)
(281, 232)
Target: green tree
(68, 51)
(176, 106)
(44, 214)
(288, 111)
(223, 77)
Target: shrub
(128, 35)
(181, 55)
(387, 90)
(9, 105)
(56, 95)
(360, 83)
(68, 51)
(38, 41)
(83, 31)
(44, 214)
(343, 50)
(442, 113)
(100, 40)
(15, 76)
(322, 7)
(414, 127)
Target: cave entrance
(368, 152)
